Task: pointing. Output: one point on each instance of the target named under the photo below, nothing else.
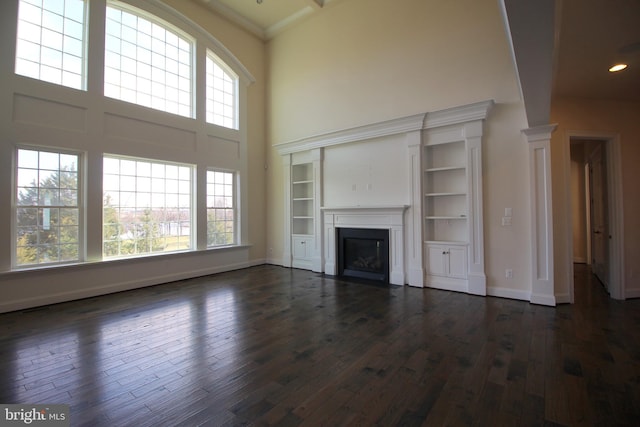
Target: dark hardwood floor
(275, 346)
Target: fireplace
(388, 219)
(363, 253)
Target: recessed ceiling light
(618, 67)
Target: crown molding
(416, 122)
(460, 114)
(540, 133)
(280, 26)
(375, 130)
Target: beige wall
(365, 61)
(598, 117)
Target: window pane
(145, 209)
(48, 230)
(220, 94)
(148, 49)
(220, 208)
(47, 33)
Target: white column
(542, 284)
(286, 177)
(330, 263)
(414, 234)
(477, 279)
(317, 263)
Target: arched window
(147, 62)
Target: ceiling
(575, 41)
(593, 36)
(267, 18)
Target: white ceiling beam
(235, 17)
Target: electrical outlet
(506, 221)
(508, 273)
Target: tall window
(47, 207)
(147, 207)
(147, 62)
(51, 41)
(221, 94)
(221, 212)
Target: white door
(599, 219)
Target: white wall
(365, 173)
(41, 114)
(366, 61)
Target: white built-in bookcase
(451, 184)
(302, 172)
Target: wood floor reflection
(275, 346)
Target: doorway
(595, 225)
(590, 207)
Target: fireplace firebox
(363, 253)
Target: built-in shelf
(447, 218)
(444, 194)
(448, 185)
(446, 168)
(302, 233)
(445, 186)
(446, 242)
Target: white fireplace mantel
(378, 217)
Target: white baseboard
(543, 300)
(632, 293)
(508, 293)
(60, 297)
(275, 261)
(446, 284)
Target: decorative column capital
(540, 133)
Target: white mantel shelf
(398, 208)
